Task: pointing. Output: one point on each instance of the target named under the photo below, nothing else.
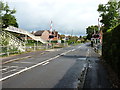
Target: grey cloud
(67, 15)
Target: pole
(34, 46)
(25, 42)
(8, 52)
(37, 44)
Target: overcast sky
(67, 15)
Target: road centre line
(45, 63)
(28, 68)
(23, 70)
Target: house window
(51, 36)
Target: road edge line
(12, 60)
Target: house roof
(38, 33)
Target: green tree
(62, 37)
(90, 30)
(7, 17)
(110, 14)
(1, 9)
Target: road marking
(45, 63)
(79, 47)
(82, 58)
(9, 71)
(8, 67)
(15, 59)
(42, 53)
(14, 66)
(28, 68)
(4, 68)
(25, 62)
(87, 53)
(73, 49)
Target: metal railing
(12, 40)
(8, 50)
(21, 31)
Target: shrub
(111, 48)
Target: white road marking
(28, 68)
(7, 67)
(14, 66)
(45, 63)
(15, 59)
(25, 62)
(9, 71)
(87, 53)
(79, 47)
(23, 70)
(4, 68)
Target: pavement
(70, 67)
(97, 75)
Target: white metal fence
(7, 50)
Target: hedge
(111, 48)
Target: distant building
(44, 34)
(47, 35)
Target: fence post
(34, 46)
(46, 46)
(37, 45)
(8, 53)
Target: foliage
(32, 43)
(62, 36)
(111, 48)
(109, 13)
(90, 30)
(54, 41)
(7, 17)
(4, 41)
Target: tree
(110, 14)
(1, 9)
(7, 17)
(80, 37)
(62, 37)
(90, 30)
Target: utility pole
(50, 36)
(72, 32)
(25, 42)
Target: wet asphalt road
(61, 70)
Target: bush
(111, 48)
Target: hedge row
(111, 48)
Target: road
(59, 68)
